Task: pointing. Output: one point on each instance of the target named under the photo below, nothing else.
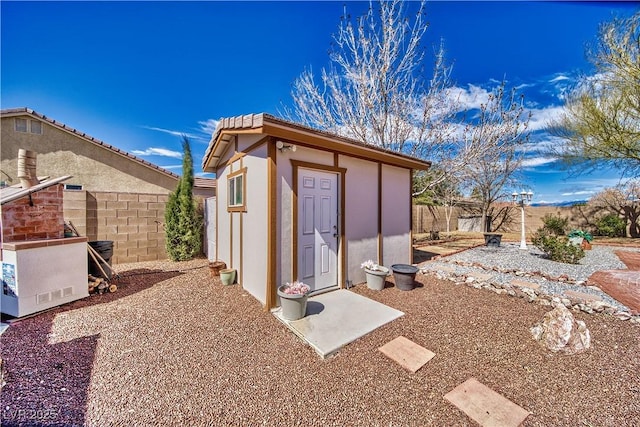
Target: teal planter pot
(228, 276)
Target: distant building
(112, 195)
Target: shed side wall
(361, 222)
(396, 215)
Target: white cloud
(208, 126)
(470, 98)
(151, 151)
(579, 193)
(537, 161)
(542, 117)
(172, 167)
(559, 78)
(173, 132)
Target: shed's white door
(317, 228)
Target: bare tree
(601, 123)
(500, 134)
(375, 91)
(623, 200)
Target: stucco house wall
(121, 198)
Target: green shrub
(556, 224)
(611, 225)
(557, 248)
(183, 223)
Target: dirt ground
(174, 347)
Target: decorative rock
(559, 331)
(585, 308)
(597, 306)
(566, 302)
(623, 315)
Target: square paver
(406, 353)
(485, 406)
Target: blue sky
(138, 74)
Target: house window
(21, 125)
(237, 187)
(32, 126)
(36, 126)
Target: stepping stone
(582, 296)
(622, 285)
(525, 284)
(406, 353)
(485, 406)
(630, 259)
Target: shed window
(237, 187)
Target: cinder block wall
(132, 221)
(44, 220)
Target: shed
(296, 203)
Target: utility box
(40, 274)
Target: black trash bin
(105, 249)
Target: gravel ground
(531, 262)
(178, 348)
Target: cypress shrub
(183, 224)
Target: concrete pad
(485, 406)
(3, 327)
(336, 318)
(406, 353)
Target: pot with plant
(293, 300)
(580, 238)
(376, 275)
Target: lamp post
(524, 199)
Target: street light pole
(525, 199)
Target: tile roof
(198, 182)
(256, 121)
(89, 138)
(204, 182)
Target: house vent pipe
(27, 168)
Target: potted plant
(376, 275)
(293, 300)
(580, 238)
(228, 276)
